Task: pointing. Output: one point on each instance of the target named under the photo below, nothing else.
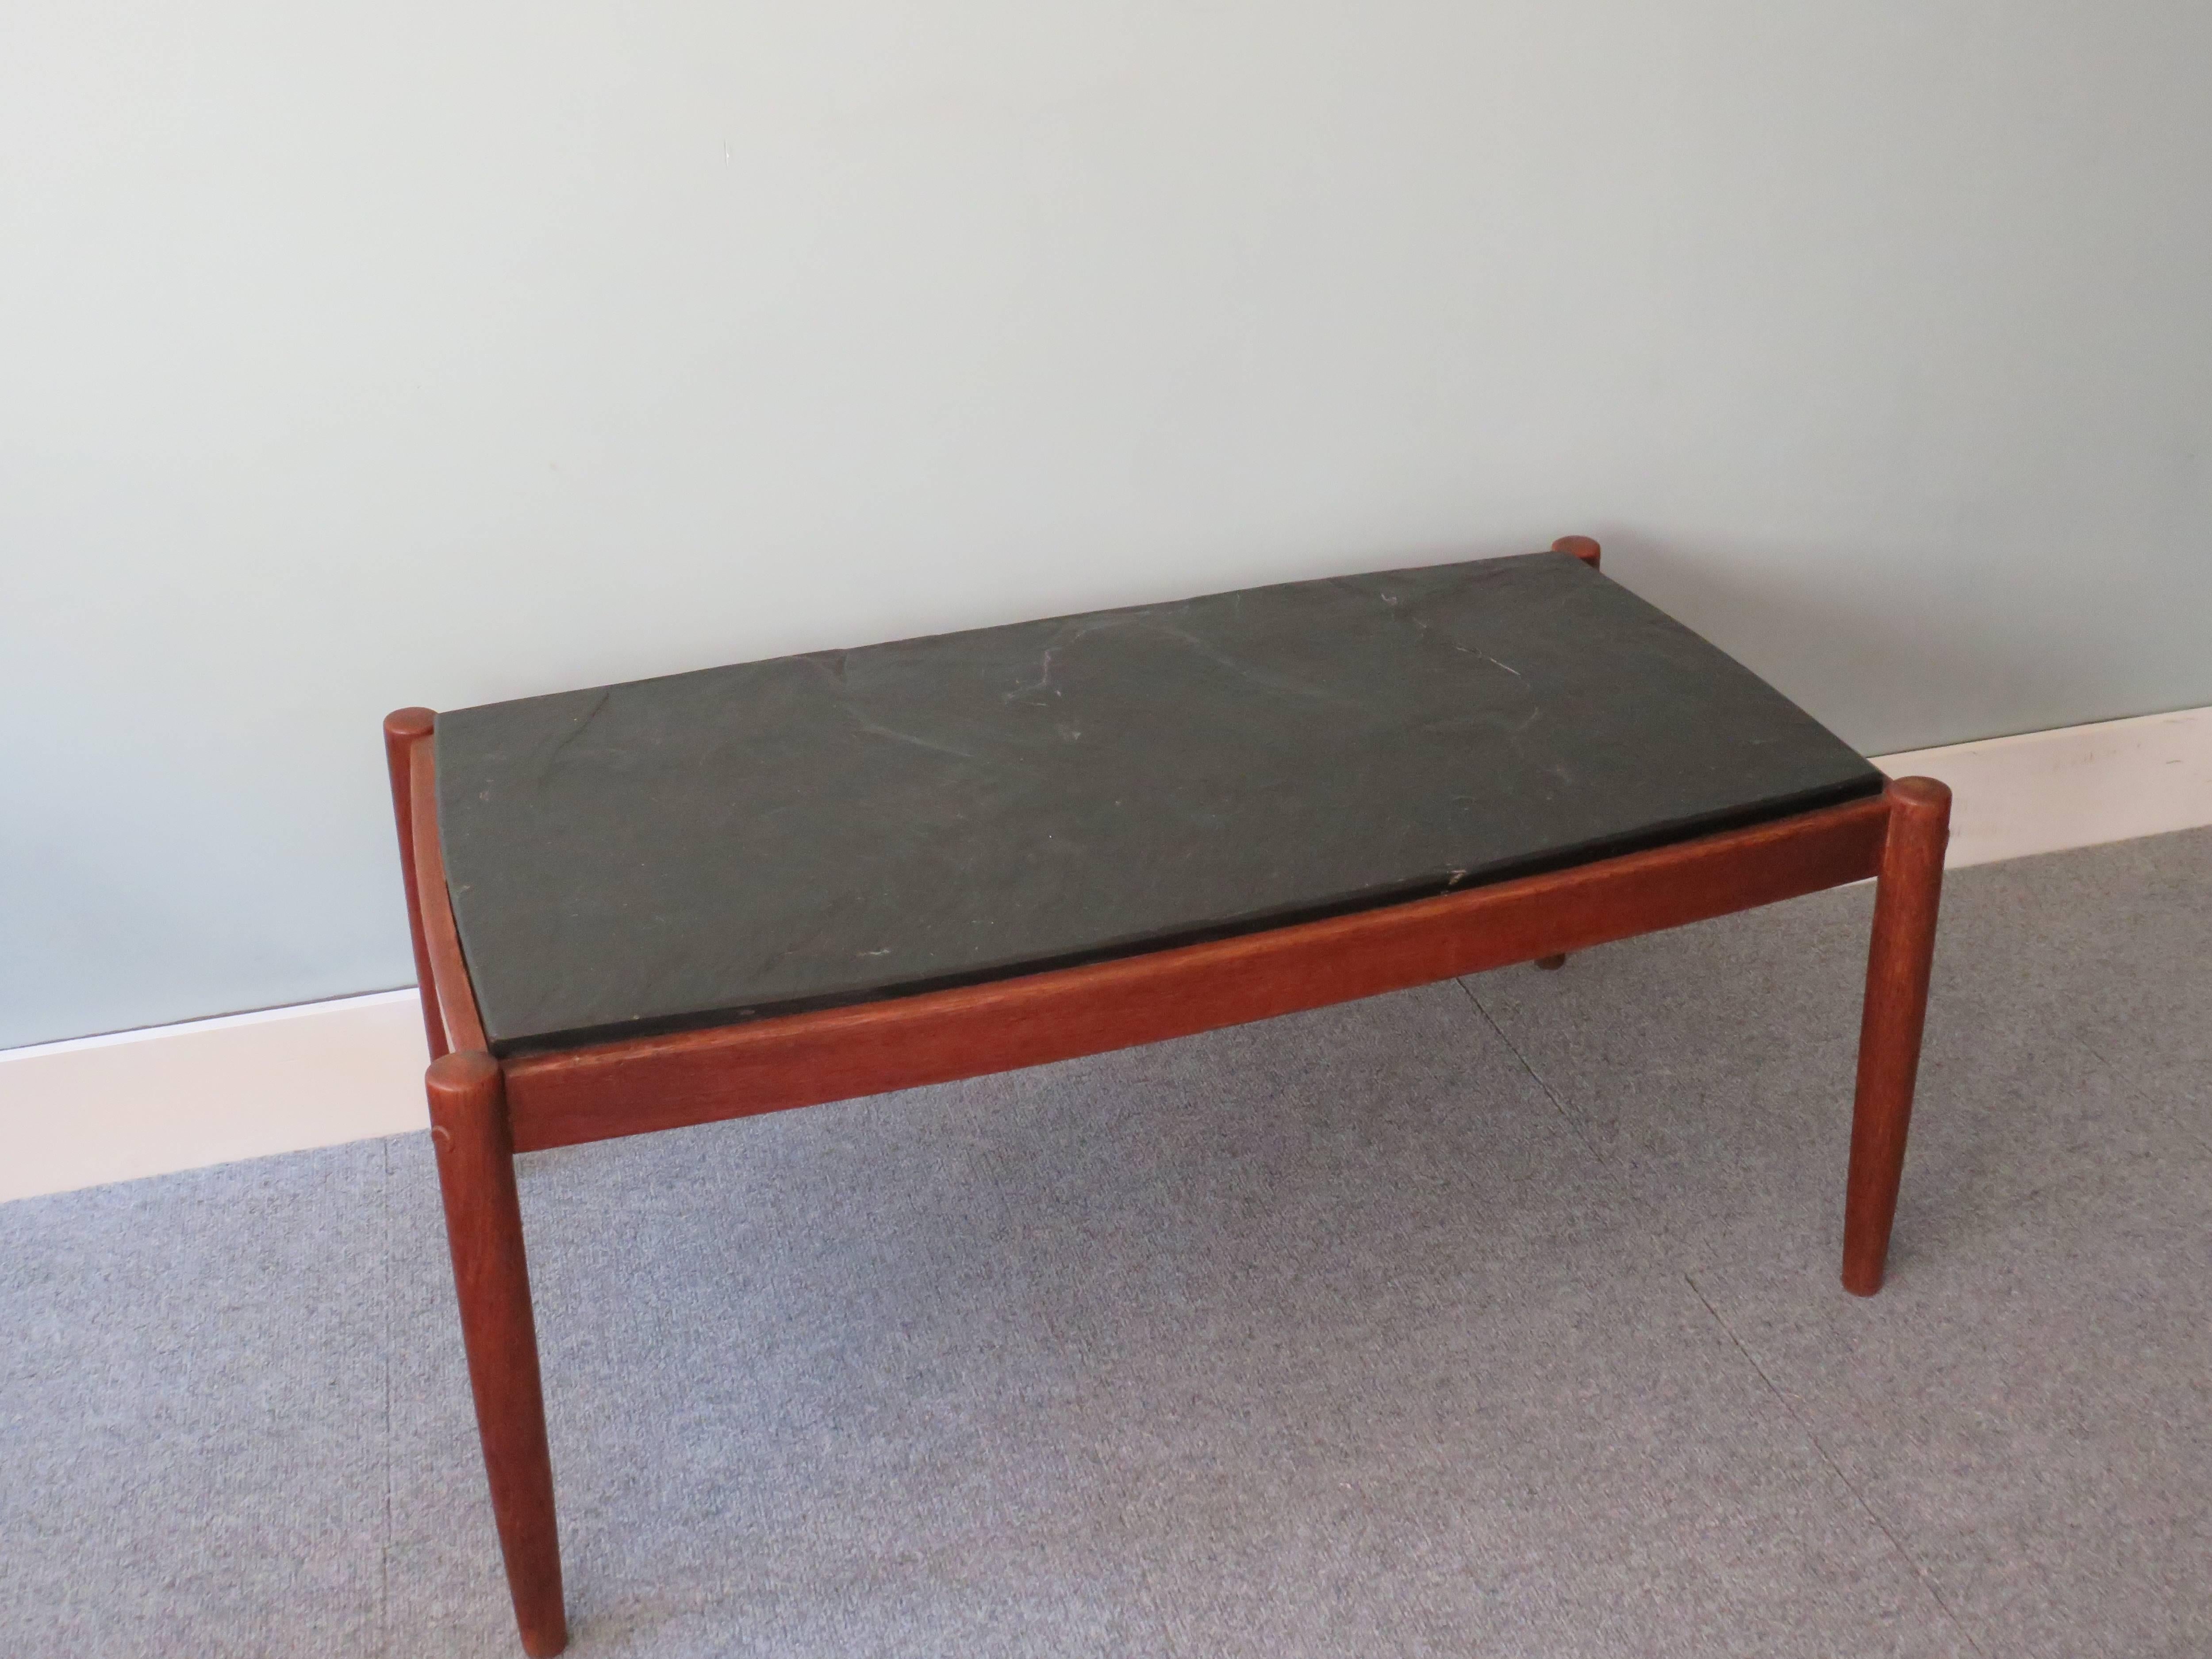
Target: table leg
(1906, 894)
(484, 1223)
(402, 729)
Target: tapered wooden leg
(1906, 894)
(402, 729)
(483, 1223)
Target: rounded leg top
(1920, 798)
(405, 723)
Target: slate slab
(848, 825)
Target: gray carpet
(1494, 1318)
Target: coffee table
(710, 895)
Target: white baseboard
(2079, 786)
(97, 1110)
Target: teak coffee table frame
(484, 1110)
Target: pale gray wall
(356, 356)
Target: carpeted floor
(1493, 1318)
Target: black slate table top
(849, 825)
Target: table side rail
(449, 968)
(636, 1085)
